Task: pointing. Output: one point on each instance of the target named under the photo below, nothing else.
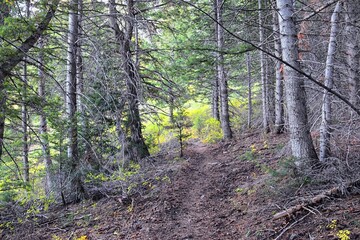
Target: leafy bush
(212, 132)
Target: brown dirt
(219, 191)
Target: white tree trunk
(264, 84)
(326, 114)
(301, 143)
(224, 98)
(279, 86)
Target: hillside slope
(220, 191)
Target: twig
(307, 203)
(72, 233)
(56, 229)
(291, 225)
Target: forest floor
(229, 190)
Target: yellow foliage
(253, 148)
(343, 234)
(82, 238)
(332, 224)
(54, 237)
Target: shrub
(212, 132)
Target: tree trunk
(301, 143)
(24, 112)
(24, 124)
(215, 83)
(215, 98)
(83, 141)
(71, 106)
(224, 98)
(43, 124)
(353, 50)
(264, 84)
(250, 110)
(279, 87)
(136, 144)
(326, 113)
(4, 12)
(2, 111)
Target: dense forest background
(92, 90)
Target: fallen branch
(309, 202)
(289, 227)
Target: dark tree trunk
(71, 104)
(223, 86)
(24, 112)
(43, 132)
(353, 49)
(250, 110)
(136, 146)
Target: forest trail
(200, 201)
(198, 205)
(216, 191)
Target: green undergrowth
(193, 120)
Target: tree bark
(353, 50)
(2, 111)
(4, 12)
(136, 144)
(83, 141)
(71, 103)
(326, 114)
(215, 97)
(250, 110)
(301, 143)
(264, 82)
(279, 86)
(24, 111)
(43, 132)
(215, 83)
(223, 87)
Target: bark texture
(223, 86)
(326, 113)
(215, 84)
(71, 103)
(352, 17)
(136, 147)
(24, 111)
(43, 132)
(264, 82)
(279, 86)
(301, 143)
(250, 110)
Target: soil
(229, 190)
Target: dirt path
(197, 204)
(216, 192)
